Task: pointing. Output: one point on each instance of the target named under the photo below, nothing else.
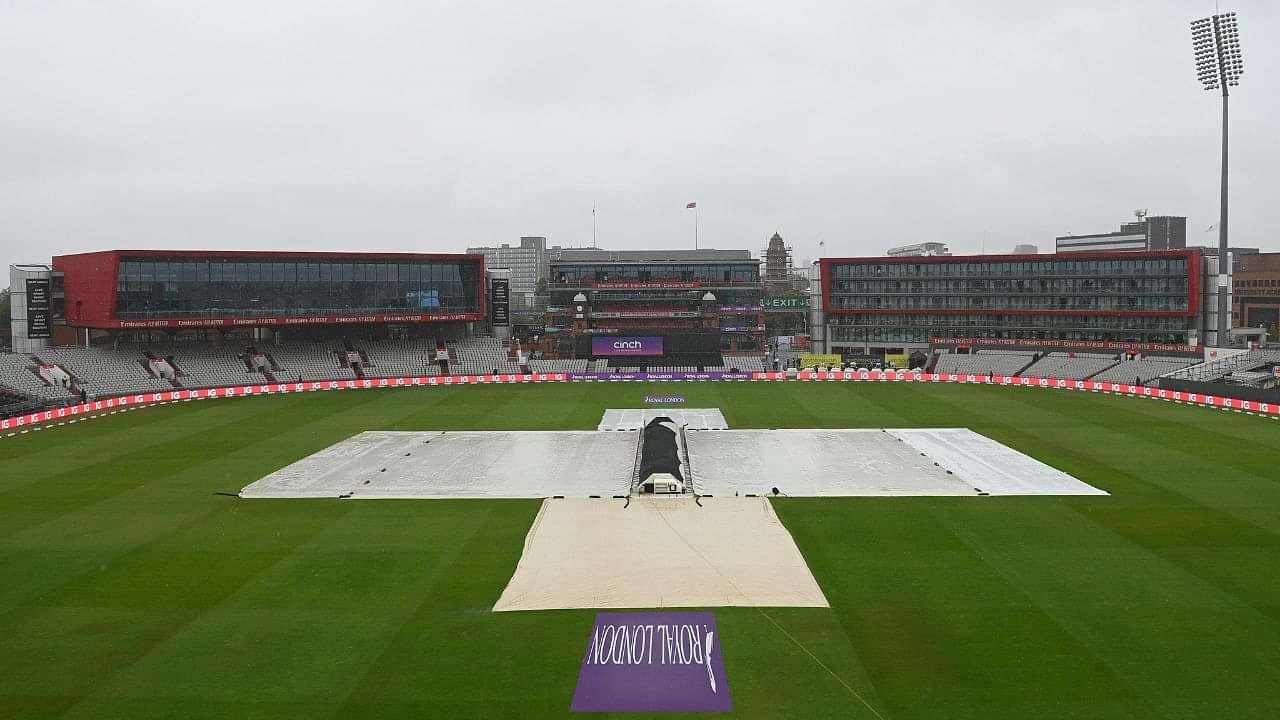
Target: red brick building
(1255, 297)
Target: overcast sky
(414, 126)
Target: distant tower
(777, 265)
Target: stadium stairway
(261, 362)
(57, 376)
(160, 367)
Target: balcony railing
(290, 312)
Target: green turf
(129, 589)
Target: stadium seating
(480, 356)
(107, 371)
(400, 358)
(1146, 369)
(1069, 366)
(212, 366)
(983, 363)
(104, 372)
(1216, 370)
(1261, 379)
(14, 403)
(744, 363)
(581, 365)
(17, 376)
(310, 362)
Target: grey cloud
(433, 126)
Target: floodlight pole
(1224, 259)
(1215, 41)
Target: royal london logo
(653, 662)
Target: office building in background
(924, 249)
(1164, 232)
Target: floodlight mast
(1215, 41)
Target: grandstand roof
(648, 256)
(290, 254)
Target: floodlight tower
(1219, 65)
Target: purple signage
(660, 376)
(664, 399)
(614, 345)
(653, 662)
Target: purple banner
(613, 346)
(653, 662)
(661, 376)
(664, 399)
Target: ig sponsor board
(653, 662)
(34, 420)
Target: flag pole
(593, 226)
(694, 207)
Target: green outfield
(129, 589)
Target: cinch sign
(626, 345)
(653, 662)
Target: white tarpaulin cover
(869, 462)
(659, 553)
(724, 462)
(815, 462)
(459, 465)
(636, 418)
(991, 466)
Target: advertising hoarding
(38, 304)
(812, 361)
(500, 301)
(614, 346)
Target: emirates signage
(646, 285)
(1069, 344)
(288, 320)
(608, 314)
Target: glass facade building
(1125, 297)
(197, 289)
(247, 287)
